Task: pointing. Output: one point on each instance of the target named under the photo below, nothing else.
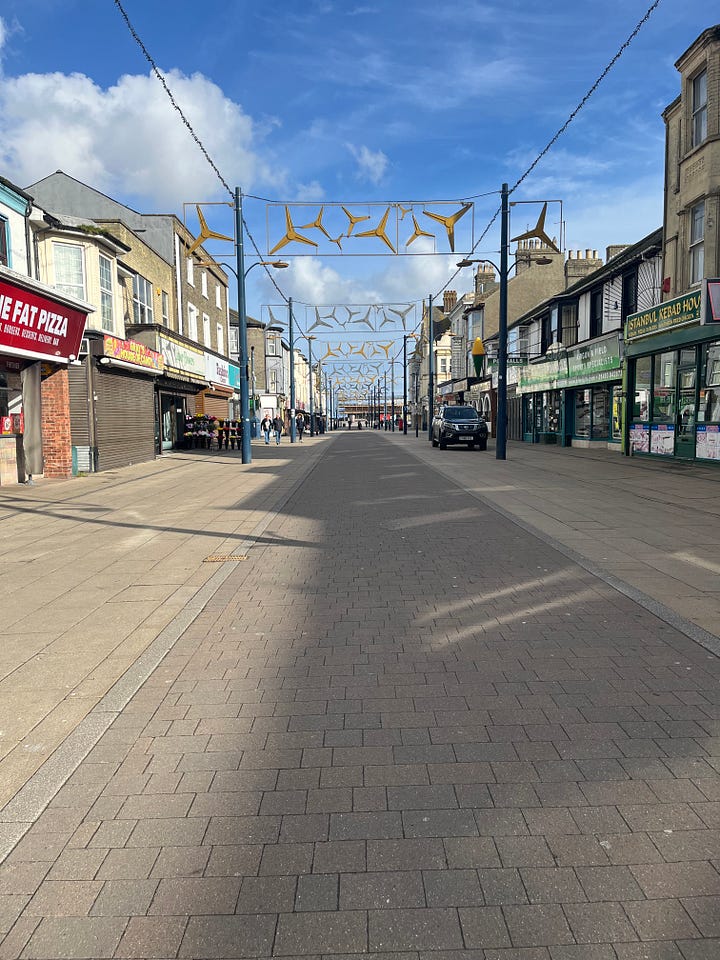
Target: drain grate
(221, 558)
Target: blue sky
(352, 102)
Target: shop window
(4, 242)
(142, 300)
(582, 413)
(106, 293)
(552, 418)
(699, 109)
(600, 413)
(596, 313)
(643, 373)
(664, 387)
(617, 412)
(69, 269)
(709, 407)
(697, 242)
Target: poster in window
(707, 442)
(662, 439)
(640, 438)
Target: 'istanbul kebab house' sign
(33, 324)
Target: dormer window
(699, 109)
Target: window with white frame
(697, 242)
(142, 300)
(443, 365)
(699, 108)
(106, 293)
(220, 338)
(206, 330)
(165, 309)
(191, 271)
(218, 297)
(4, 242)
(69, 269)
(234, 337)
(192, 322)
(203, 284)
(271, 346)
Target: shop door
(685, 422)
(168, 421)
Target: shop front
(40, 334)
(177, 391)
(673, 378)
(575, 397)
(112, 404)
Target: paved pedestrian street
(404, 726)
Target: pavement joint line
(704, 638)
(21, 811)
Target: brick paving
(407, 728)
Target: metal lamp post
(242, 324)
(392, 394)
(310, 339)
(503, 270)
(291, 338)
(431, 368)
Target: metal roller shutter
(216, 407)
(125, 416)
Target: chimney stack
(449, 300)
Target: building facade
(673, 351)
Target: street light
(240, 275)
(431, 368)
(503, 270)
(310, 337)
(406, 337)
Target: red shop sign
(35, 325)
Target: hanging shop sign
(665, 316)
(234, 376)
(132, 352)
(182, 358)
(36, 326)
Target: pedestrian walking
(266, 426)
(278, 428)
(300, 426)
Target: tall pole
(417, 401)
(312, 411)
(501, 430)
(405, 385)
(392, 394)
(385, 414)
(431, 368)
(252, 386)
(242, 324)
(291, 337)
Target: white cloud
(127, 140)
(372, 164)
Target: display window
(592, 413)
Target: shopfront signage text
(183, 358)
(31, 322)
(589, 363)
(130, 351)
(217, 370)
(665, 316)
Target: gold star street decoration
(205, 233)
(333, 229)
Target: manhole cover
(221, 558)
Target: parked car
(456, 424)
